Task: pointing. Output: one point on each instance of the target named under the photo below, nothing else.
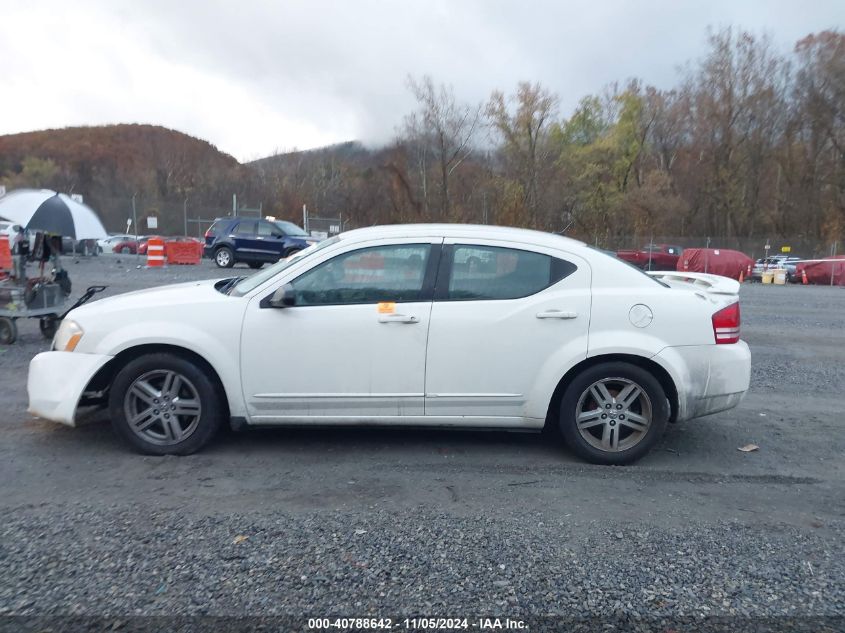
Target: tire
(125, 250)
(256, 265)
(290, 252)
(616, 438)
(224, 257)
(142, 385)
(8, 331)
(48, 325)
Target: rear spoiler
(711, 284)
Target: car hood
(191, 292)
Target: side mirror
(284, 297)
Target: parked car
(253, 241)
(773, 262)
(130, 245)
(144, 242)
(401, 329)
(653, 257)
(71, 246)
(793, 275)
(107, 244)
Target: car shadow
(390, 443)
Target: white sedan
(415, 325)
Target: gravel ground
(385, 522)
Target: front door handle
(556, 314)
(397, 318)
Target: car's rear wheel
(125, 250)
(162, 404)
(224, 257)
(256, 265)
(613, 413)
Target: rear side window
(368, 275)
(246, 227)
(492, 272)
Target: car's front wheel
(224, 257)
(613, 413)
(162, 404)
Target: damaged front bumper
(57, 381)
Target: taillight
(726, 324)
(208, 233)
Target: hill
(108, 164)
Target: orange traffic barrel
(5, 254)
(155, 252)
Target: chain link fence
(753, 247)
(194, 217)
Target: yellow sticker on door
(386, 307)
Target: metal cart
(14, 306)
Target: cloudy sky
(255, 76)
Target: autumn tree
(521, 123)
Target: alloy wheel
(162, 407)
(613, 414)
(222, 258)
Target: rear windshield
(628, 264)
(217, 227)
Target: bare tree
(442, 130)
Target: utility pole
(234, 204)
(305, 218)
(135, 222)
(185, 216)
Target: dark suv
(255, 242)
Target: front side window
(265, 229)
(493, 272)
(369, 275)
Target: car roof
(470, 231)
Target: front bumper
(709, 378)
(56, 381)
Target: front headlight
(68, 336)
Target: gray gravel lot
(390, 522)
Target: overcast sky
(257, 76)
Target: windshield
(253, 281)
(289, 228)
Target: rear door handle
(397, 318)
(556, 314)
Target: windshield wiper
(227, 287)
